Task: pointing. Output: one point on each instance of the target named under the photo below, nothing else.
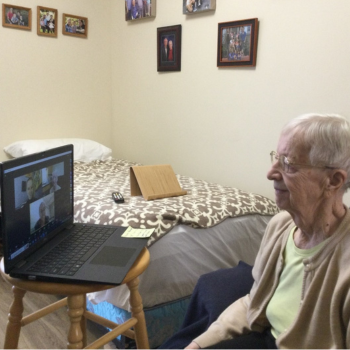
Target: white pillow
(84, 150)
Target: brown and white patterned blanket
(206, 204)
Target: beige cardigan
(323, 319)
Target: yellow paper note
(137, 232)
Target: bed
(211, 227)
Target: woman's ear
(337, 179)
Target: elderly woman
(301, 292)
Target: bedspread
(206, 204)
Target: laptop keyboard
(69, 256)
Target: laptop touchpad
(113, 256)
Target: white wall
(209, 123)
(221, 124)
(57, 87)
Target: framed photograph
(14, 16)
(47, 21)
(190, 7)
(140, 9)
(169, 48)
(237, 43)
(74, 25)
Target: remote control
(118, 197)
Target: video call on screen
(39, 198)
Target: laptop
(41, 241)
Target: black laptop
(40, 239)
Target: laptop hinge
(20, 264)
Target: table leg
(136, 306)
(14, 325)
(75, 311)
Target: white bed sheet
(185, 253)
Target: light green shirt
(284, 304)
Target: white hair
(327, 136)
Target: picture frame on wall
(237, 43)
(190, 7)
(169, 48)
(140, 9)
(74, 25)
(17, 17)
(47, 21)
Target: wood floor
(50, 332)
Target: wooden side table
(76, 308)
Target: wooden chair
(76, 308)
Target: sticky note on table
(137, 232)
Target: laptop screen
(36, 200)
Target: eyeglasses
(286, 164)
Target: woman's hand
(192, 345)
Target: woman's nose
(274, 172)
